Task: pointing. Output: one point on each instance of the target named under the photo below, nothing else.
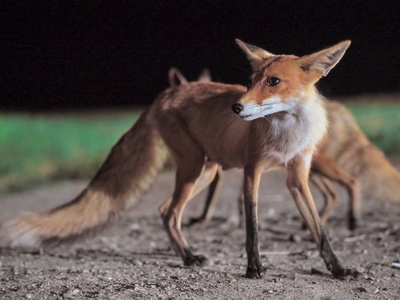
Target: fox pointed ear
(254, 54)
(175, 77)
(323, 61)
(205, 76)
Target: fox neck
(301, 128)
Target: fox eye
(249, 83)
(272, 81)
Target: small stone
(137, 263)
(75, 291)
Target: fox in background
(345, 156)
(278, 121)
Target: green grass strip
(39, 148)
(381, 123)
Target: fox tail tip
(18, 233)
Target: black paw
(347, 274)
(195, 260)
(255, 272)
(194, 221)
(353, 223)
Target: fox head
(280, 82)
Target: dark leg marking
(189, 259)
(332, 262)
(254, 267)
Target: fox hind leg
(329, 194)
(212, 196)
(327, 167)
(189, 183)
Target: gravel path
(133, 259)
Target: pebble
(137, 263)
(75, 291)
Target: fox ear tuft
(205, 76)
(254, 54)
(323, 61)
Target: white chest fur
(297, 129)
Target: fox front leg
(251, 184)
(297, 182)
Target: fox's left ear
(175, 77)
(323, 61)
(254, 54)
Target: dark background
(66, 54)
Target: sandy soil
(133, 259)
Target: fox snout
(237, 108)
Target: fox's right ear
(254, 54)
(205, 76)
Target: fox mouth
(253, 117)
(250, 117)
(255, 111)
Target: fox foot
(353, 222)
(333, 264)
(195, 260)
(193, 221)
(255, 271)
(346, 274)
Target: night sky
(69, 54)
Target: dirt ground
(133, 259)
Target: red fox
(278, 121)
(322, 166)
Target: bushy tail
(356, 155)
(127, 171)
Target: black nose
(237, 108)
